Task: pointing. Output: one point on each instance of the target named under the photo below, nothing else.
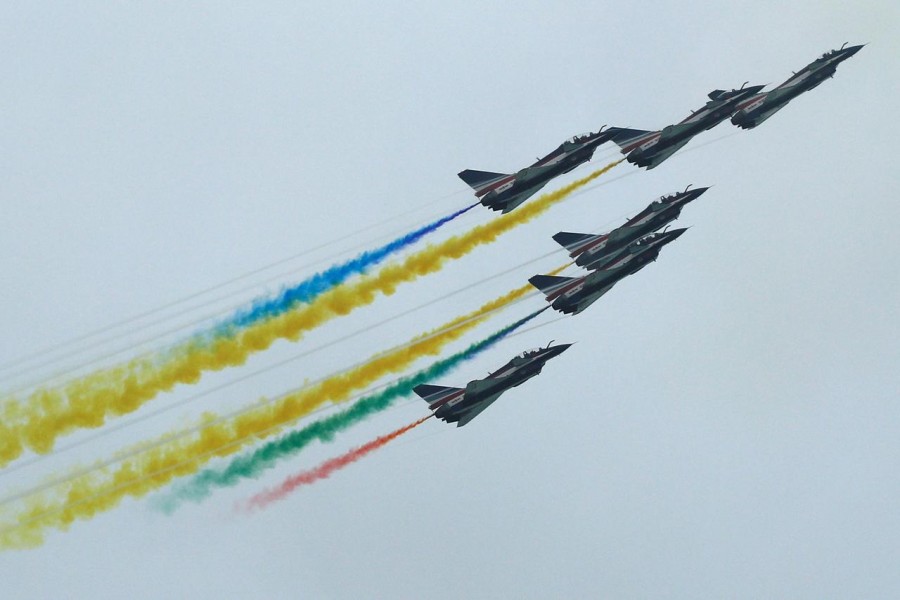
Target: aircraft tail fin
(434, 393)
(624, 137)
(551, 285)
(575, 243)
(480, 181)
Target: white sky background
(727, 425)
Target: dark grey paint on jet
(753, 111)
(461, 405)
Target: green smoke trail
(252, 464)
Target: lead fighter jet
(650, 148)
(503, 192)
(756, 109)
(461, 405)
(571, 295)
(593, 252)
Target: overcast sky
(727, 424)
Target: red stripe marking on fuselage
(641, 141)
(446, 399)
(644, 214)
(494, 185)
(556, 154)
(588, 246)
(556, 294)
(746, 103)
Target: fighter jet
(594, 252)
(503, 192)
(650, 148)
(571, 295)
(461, 405)
(759, 107)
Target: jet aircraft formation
(624, 251)
(607, 258)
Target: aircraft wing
(664, 154)
(595, 263)
(765, 114)
(521, 197)
(583, 303)
(476, 409)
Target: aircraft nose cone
(695, 193)
(673, 234)
(848, 52)
(557, 350)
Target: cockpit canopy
(670, 198)
(647, 239)
(831, 53)
(528, 353)
(665, 199)
(577, 139)
(717, 95)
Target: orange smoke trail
(91, 400)
(263, 499)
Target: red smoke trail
(263, 499)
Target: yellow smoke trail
(89, 401)
(85, 495)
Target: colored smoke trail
(82, 496)
(308, 289)
(263, 499)
(88, 402)
(255, 462)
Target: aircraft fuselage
(753, 111)
(515, 189)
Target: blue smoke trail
(309, 288)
